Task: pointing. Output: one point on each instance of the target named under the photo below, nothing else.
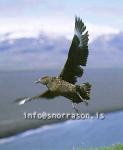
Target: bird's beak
(37, 81)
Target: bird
(65, 83)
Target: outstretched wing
(48, 95)
(77, 55)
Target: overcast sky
(25, 18)
(57, 16)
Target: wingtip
(22, 101)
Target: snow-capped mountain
(111, 41)
(38, 52)
(50, 51)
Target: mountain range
(48, 51)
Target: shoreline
(18, 128)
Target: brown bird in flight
(64, 84)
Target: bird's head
(44, 80)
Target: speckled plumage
(64, 84)
(59, 87)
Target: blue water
(69, 134)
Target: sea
(70, 135)
(16, 132)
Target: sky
(28, 18)
(57, 16)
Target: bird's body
(64, 84)
(60, 87)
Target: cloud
(37, 53)
(63, 27)
(97, 30)
(45, 52)
(28, 18)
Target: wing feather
(77, 55)
(47, 95)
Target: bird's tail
(85, 90)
